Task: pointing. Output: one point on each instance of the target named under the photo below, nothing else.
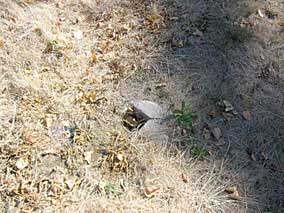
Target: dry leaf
(21, 163)
(12, 18)
(228, 106)
(45, 69)
(178, 42)
(234, 193)
(103, 46)
(212, 114)
(94, 58)
(220, 142)
(38, 31)
(231, 189)
(264, 156)
(108, 77)
(91, 97)
(235, 196)
(151, 191)
(1, 44)
(206, 134)
(217, 133)
(184, 178)
(228, 116)
(247, 115)
(252, 157)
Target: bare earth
(69, 69)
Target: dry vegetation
(69, 69)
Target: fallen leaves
(247, 115)
(155, 17)
(206, 133)
(38, 31)
(53, 47)
(235, 196)
(233, 193)
(1, 44)
(228, 106)
(94, 58)
(228, 116)
(151, 191)
(184, 178)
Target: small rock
(148, 117)
(153, 129)
(149, 108)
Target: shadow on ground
(227, 51)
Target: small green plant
(197, 150)
(184, 116)
(278, 140)
(110, 189)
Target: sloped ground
(68, 70)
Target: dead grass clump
(62, 143)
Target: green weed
(110, 189)
(196, 149)
(184, 116)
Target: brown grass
(68, 71)
(62, 147)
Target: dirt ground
(69, 69)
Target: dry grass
(62, 143)
(68, 70)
